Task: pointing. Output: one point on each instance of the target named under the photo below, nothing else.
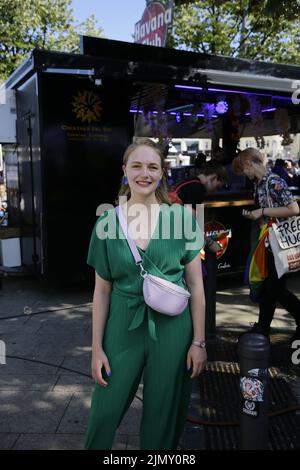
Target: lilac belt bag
(161, 295)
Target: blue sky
(116, 17)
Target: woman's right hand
(99, 360)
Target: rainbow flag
(257, 265)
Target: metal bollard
(210, 287)
(254, 352)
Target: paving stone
(76, 415)
(19, 326)
(133, 442)
(50, 442)
(18, 367)
(80, 363)
(32, 411)
(70, 344)
(74, 383)
(7, 441)
(27, 382)
(120, 442)
(131, 421)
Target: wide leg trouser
(167, 383)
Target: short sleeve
(193, 237)
(97, 254)
(280, 192)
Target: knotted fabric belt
(140, 310)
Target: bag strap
(130, 241)
(268, 192)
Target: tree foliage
(266, 30)
(43, 24)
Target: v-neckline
(144, 251)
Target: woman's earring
(125, 180)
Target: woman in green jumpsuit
(130, 340)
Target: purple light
(234, 91)
(202, 115)
(267, 110)
(140, 111)
(249, 93)
(173, 113)
(188, 87)
(221, 107)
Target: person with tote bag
(275, 202)
(148, 307)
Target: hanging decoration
(257, 122)
(235, 115)
(208, 110)
(158, 121)
(222, 107)
(283, 125)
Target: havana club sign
(152, 29)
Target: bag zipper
(185, 293)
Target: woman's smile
(144, 184)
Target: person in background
(289, 168)
(273, 200)
(200, 160)
(279, 169)
(297, 173)
(296, 168)
(210, 178)
(217, 154)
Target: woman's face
(143, 170)
(248, 170)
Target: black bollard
(210, 287)
(254, 352)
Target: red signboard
(152, 29)
(219, 233)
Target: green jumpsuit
(140, 342)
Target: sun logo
(87, 106)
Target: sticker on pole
(251, 408)
(252, 389)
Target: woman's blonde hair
(250, 155)
(162, 191)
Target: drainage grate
(220, 398)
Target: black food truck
(76, 113)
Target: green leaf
(46, 24)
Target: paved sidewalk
(45, 387)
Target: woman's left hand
(197, 358)
(252, 215)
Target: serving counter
(223, 221)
